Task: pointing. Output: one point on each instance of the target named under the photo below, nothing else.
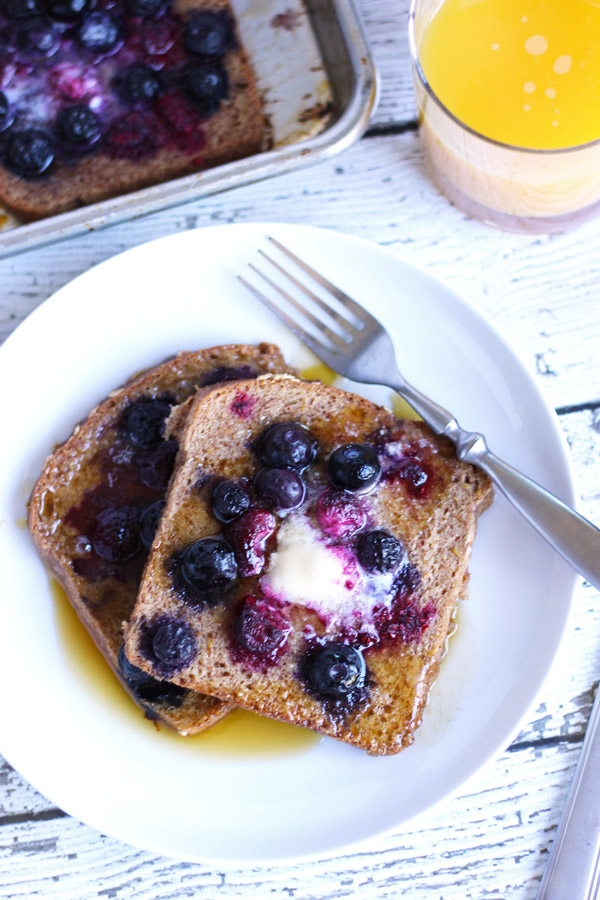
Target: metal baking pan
(319, 85)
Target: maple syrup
(402, 409)
(240, 733)
(319, 372)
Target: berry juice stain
(239, 734)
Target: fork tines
(346, 330)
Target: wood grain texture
(491, 841)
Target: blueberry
(173, 645)
(115, 534)
(79, 126)
(335, 670)
(146, 688)
(287, 445)
(142, 422)
(261, 629)
(354, 467)
(208, 565)
(138, 85)
(229, 501)
(4, 111)
(280, 489)
(38, 37)
(206, 84)
(21, 9)
(207, 34)
(68, 11)
(143, 8)
(99, 32)
(149, 520)
(29, 152)
(379, 552)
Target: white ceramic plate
(111, 770)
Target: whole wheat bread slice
(436, 525)
(234, 131)
(76, 474)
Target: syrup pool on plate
(240, 733)
(509, 96)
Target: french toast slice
(309, 559)
(94, 508)
(125, 96)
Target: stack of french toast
(233, 535)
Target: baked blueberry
(339, 513)
(207, 34)
(228, 373)
(4, 111)
(415, 476)
(38, 38)
(261, 629)
(138, 85)
(280, 489)
(115, 534)
(229, 500)
(248, 536)
(29, 152)
(149, 520)
(146, 688)
(173, 645)
(142, 422)
(335, 670)
(408, 580)
(208, 565)
(132, 136)
(99, 32)
(68, 11)
(287, 445)
(78, 126)
(206, 84)
(155, 465)
(379, 552)
(354, 467)
(21, 9)
(143, 8)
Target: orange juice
(523, 72)
(509, 107)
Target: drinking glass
(514, 188)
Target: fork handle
(574, 537)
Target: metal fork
(360, 348)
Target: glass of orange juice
(509, 107)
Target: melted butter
(240, 733)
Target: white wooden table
(492, 840)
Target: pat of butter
(304, 570)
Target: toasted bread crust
(75, 468)
(235, 131)
(438, 533)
